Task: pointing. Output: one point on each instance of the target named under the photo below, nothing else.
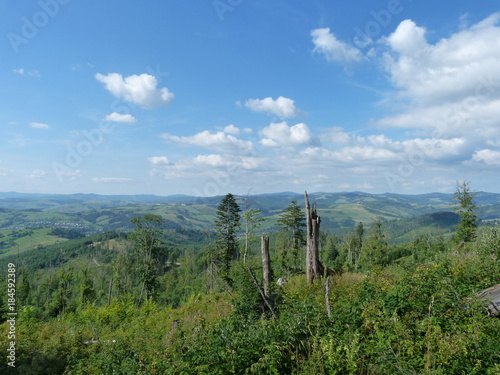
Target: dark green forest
(168, 299)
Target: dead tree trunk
(327, 297)
(264, 296)
(314, 268)
(266, 267)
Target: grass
(40, 237)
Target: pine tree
(226, 226)
(465, 206)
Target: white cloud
(464, 65)
(429, 148)
(39, 125)
(280, 134)
(333, 49)
(230, 162)
(221, 169)
(111, 179)
(231, 129)
(448, 92)
(351, 154)
(219, 141)
(487, 156)
(408, 39)
(71, 174)
(282, 107)
(159, 160)
(213, 160)
(22, 71)
(140, 89)
(37, 173)
(336, 136)
(380, 148)
(118, 117)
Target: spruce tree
(465, 206)
(226, 226)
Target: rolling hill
(26, 220)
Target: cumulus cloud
(449, 91)
(425, 148)
(380, 148)
(408, 39)
(159, 160)
(487, 156)
(231, 129)
(281, 134)
(222, 168)
(327, 44)
(139, 89)
(336, 135)
(219, 141)
(118, 117)
(39, 125)
(464, 65)
(281, 107)
(351, 154)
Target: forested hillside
(33, 220)
(187, 289)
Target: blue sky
(209, 97)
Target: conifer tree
(292, 222)
(374, 251)
(226, 226)
(465, 206)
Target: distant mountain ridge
(17, 200)
(404, 216)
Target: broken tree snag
(491, 295)
(314, 268)
(266, 265)
(327, 297)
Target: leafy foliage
(412, 311)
